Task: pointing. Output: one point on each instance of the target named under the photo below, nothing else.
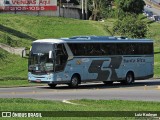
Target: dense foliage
(99, 8)
(130, 6)
(128, 23)
(130, 26)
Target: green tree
(130, 6)
(99, 8)
(130, 26)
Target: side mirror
(50, 54)
(25, 53)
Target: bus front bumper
(47, 78)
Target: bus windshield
(39, 61)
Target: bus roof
(94, 39)
(104, 39)
(50, 40)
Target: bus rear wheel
(129, 79)
(52, 85)
(74, 82)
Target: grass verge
(17, 83)
(19, 104)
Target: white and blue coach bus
(90, 58)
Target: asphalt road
(154, 10)
(143, 90)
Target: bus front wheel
(74, 82)
(52, 85)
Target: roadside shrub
(2, 55)
(130, 26)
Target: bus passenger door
(60, 61)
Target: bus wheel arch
(75, 80)
(129, 79)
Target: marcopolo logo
(21, 114)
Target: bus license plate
(38, 81)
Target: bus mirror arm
(23, 53)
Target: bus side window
(97, 50)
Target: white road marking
(68, 102)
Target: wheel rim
(129, 78)
(74, 81)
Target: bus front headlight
(50, 76)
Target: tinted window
(102, 49)
(41, 48)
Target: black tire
(108, 82)
(129, 79)
(74, 82)
(52, 85)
